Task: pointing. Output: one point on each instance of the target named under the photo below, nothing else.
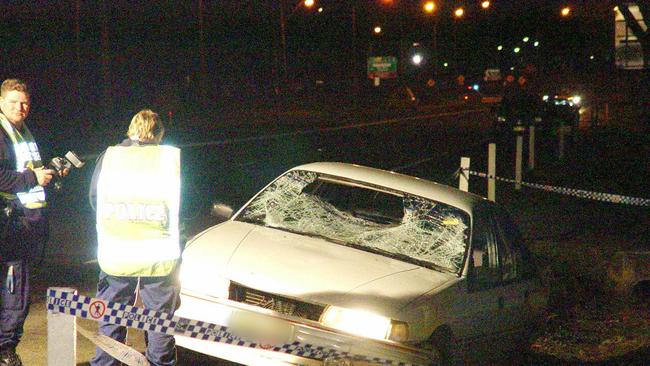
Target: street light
(429, 7)
(377, 29)
(485, 4)
(526, 39)
(499, 47)
(517, 49)
(566, 11)
(459, 12)
(283, 28)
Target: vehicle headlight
(365, 324)
(196, 279)
(501, 119)
(576, 99)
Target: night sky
(109, 58)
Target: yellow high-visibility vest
(27, 156)
(138, 199)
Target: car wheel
(442, 340)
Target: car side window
(486, 272)
(496, 250)
(510, 255)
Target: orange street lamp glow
(565, 11)
(485, 4)
(377, 29)
(309, 3)
(459, 12)
(429, 7)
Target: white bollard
(61, 336)
(492, 171)
(531, 148)
(518, 160)
(463, 179)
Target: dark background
(93, 64)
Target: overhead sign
(492, 75)
(383, 67)
(629, 54)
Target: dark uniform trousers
(14, 302)
(159, 294)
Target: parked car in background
(352, 265)
(561, 110)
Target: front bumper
(276, 339)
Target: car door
(518, 272)
(497, 277)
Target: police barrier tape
(598, 196)
(161, 322)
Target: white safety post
(518, 160)
(61, 336)
(560, 149)
(531, 148)
(463, 177)
(492, 171)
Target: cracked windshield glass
(391, 223)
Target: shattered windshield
(392, 223)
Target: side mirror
(221, 211)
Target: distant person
(136, 186)
(23, 226)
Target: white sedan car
(340, 264)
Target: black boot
(9, 357)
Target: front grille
(280, 304)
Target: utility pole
(106, 72)
(77, 32)
(283, 38)
(355, 76)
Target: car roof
(399, 182)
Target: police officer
(23, 227)
(136, 185)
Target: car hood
(311, 269)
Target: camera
(69, 161)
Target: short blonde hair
(13, 84)
(146, 126)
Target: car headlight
(365, 324)
(194, 278)
(501, 119)
(576, 99)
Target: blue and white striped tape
(157, 321)
(598, 196)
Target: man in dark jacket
(23, 227)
